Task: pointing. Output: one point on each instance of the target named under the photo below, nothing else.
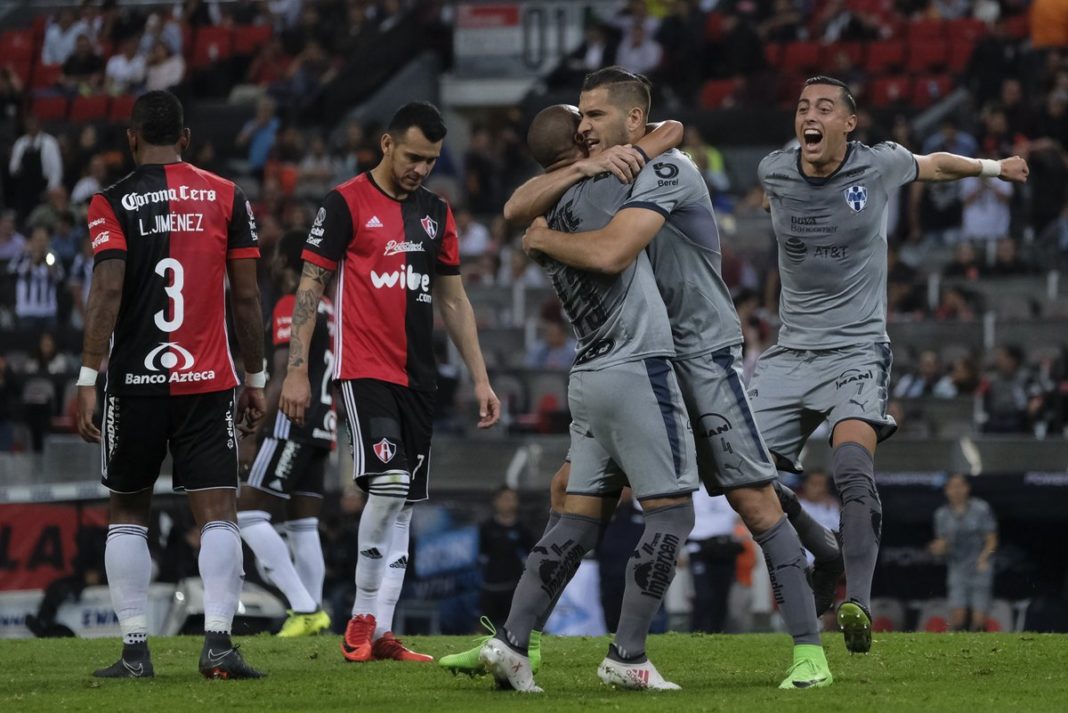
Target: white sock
(222, 572)
(375, 544)
(308, 555)
(393, 580)
(272, 552)
(129, 569)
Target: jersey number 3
(174, 293)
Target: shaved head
(552, 135)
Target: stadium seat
(887, 91)
(1000, 617)
(773, 52)
(801, 56)
(715, 91)
(211, 44)
(91, 108)
(960, 52)
(929, 89)
(18, 45)
(788, 88)
(49, 108)
(926, 30)
(884, 56)
(887, 614)
(934, 616)
(853, 50)
(121, 106)
(23, 69)
(249, 38)
(965, 28)
(925, 55)
(46, 75)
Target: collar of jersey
(381, 190)
(822, 180)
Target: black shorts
(198, 428)
(390, 428)
(284, 468)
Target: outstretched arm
(943, 166)
(609, 250)
(459, 321)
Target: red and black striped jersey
(320, 418)
(176, 227)
(387, 253)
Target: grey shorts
(966, 587)
(629, 426)
(730, 451)
(794, 391)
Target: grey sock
(790, 583)
(816, 538)
(539, 624)
(862, 517)
(550, 566)
(649, 573)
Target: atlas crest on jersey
(856, 198)
(385, 450)
(430, 226)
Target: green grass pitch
(905, 672)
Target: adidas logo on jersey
(374, 222)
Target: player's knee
(758, 507)
(558, 488)
(854, 473)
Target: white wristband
(989, 168)
(257, 380)
(86, 377)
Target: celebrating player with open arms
(394, 244)
(828, 202)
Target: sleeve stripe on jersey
(103, 255)
(314, 259)
(648, 206)
(915, 169)
(445, 269)
(240, 253)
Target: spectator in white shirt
(986, 208)
(125, 72)
(638, 52)
(96, 173)
(474, 236)
(61, 36)
(165, 69)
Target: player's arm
(942, 166)
(459, 320)
(295, 395)
(248, 328)
(609, 250)
(990, 545)
(105, 299)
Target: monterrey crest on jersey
(320, 418)
(176, 226)
(387, 254)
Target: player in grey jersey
(828, 203)
(628, 417)
(670, 212)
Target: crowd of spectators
(967, 235)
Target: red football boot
(390, 647)
(356, 646)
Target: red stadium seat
(965, 28)
(211, 44)
(960, 52)
(788, 89)
(23, 69)
(936, 625)
(927, 90)
(801, 56)
(773, 53)
(249, 38)
(926, 55)
(884, 56)
(49, 108)
(929, 30)
(46, 75)
(715, 91)
(18, 45)
(187, 41)
(886, 91)
(853, 50)
(91, 108)
(121, 106)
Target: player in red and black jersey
(165, 239)
(289, 467)
(394, 246)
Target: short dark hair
(551, 136)
(158, 117)
(423, 115)
(290, 248)
(626, 89)
(847, 94)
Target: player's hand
(86, 407)
(246, 453)
(623, 162)
(534, 237)
(1014, 170)
(251, 408)
(983, 564)
(296, 396)
(937, 548)
(489, 406)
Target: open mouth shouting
(812, 139)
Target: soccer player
(828, 202)
(289, 468)
(394, 244)
(629, 425)
(165, 239)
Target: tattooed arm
(105, 298)
(248, 326)
(296, 391)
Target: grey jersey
(686, 255)
(965, 534)
(831, 234)
(616, 318)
